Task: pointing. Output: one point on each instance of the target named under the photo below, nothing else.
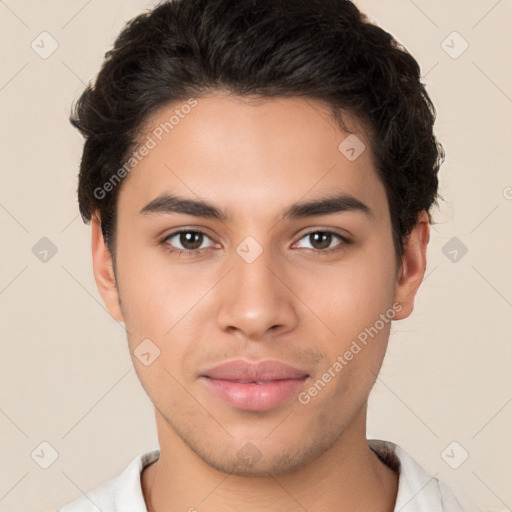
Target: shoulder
(120, 494)
(418, 491)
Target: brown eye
(322, 241)
(189, 240)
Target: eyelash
(197, 252)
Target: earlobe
(412, 269)
(103, 269)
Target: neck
(347, 477)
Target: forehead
(246, 153)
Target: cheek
(158, 305)
(354, 304)
(337, 299)
(154, 295)
(351, 294)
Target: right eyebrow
(169, 203)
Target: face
(255, 276)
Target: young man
(258, 175)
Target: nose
(257, 298)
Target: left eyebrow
(327, 206)
(169, 203)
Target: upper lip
(240, 369)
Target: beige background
(66, 377)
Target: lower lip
(255, 397)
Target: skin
(294, 304)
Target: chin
(250, 461)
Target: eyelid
(345, 240)
(325, 230)
(186, 230)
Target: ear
(414, 262)
(103, 269)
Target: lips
(241, 370)
(254, 386)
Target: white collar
(417, 490)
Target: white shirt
(417, 490)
